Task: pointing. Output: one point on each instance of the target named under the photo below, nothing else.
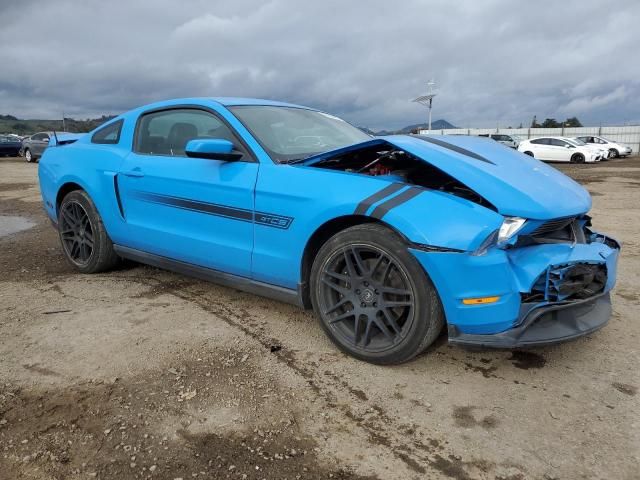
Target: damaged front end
(540, 276)
(551, 287)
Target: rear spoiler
(63, 139)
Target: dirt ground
(141, 373)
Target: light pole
(427, 100)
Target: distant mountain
(437, 125)
(11, 124)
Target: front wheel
(613, 153)
(577, 158)
(27, 156)
(372, 296)
(84, 239)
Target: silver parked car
(33, 147)
(508, 140)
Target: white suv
(615, 149)
(558, 149)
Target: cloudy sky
(495, 62)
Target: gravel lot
(141, 373)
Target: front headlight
(510, 226)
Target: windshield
(577, 141)
(290, 133)
(572, 141)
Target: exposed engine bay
(399, 166)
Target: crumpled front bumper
(545, 325)
(510, 274)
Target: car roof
(223, 101)
(237, 101)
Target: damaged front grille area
(576, 281)
(552, 226)
(560, 230)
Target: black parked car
(33, 146)
(9, 146)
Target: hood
(515, 183)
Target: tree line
(553, 123)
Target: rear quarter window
(109, 134)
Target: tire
(27, 156)
(373, 298)
(577, 158)
(613, 153)
(529, 153)
(85, 242)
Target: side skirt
(221, 278)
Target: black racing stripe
(186, 204)
(364, 205)
(382, 209)
(242, 214)
(455, 148)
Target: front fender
(311, 197)
(442, 220)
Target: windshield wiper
(295, 160)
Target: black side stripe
(382, 209)
(454, 148)
(242, 214)
(364, 205)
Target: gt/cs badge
(277, 221)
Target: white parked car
(603, 152)
(615, 149)
(558, 149)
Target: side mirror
(212, 148)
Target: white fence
(627, 135)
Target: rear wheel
(577, 158)
(27, 155)
(84, 239)
(373, 297)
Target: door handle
(136, 172)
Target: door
(39, 142)
(541, 148)
(198, 211)
(559, 150)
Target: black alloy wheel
(367, 297)
(76, 233)
(372, 296)
(577, 158)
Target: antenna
(427, 100)
(55, 136)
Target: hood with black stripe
(515, 183)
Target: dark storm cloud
(495, 62)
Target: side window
(109, 134)
(557, 143)
(40, 137)
(167, 132)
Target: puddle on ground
(10, 225)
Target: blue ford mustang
(388, 239)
